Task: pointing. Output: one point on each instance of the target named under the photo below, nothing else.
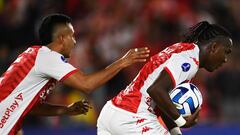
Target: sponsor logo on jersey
(47, 91)
(185, 67)
(63, 59)
(10, 109)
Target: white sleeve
(178, 68)
(54, 65)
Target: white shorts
(115, 121)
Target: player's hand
(135, 55)
(80, 107)
(192, 119)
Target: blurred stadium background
(105, 30)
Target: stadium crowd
(106, 29)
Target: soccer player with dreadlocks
(135, 109)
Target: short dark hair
(203, 31)
(48, 24)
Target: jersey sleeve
(178, 68)
(54, 65)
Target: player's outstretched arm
(46, 109)
(88, 82)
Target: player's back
(17, 72)
(134, 98)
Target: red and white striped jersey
(180, 60)
(28, 81)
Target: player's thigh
(104, 120)
(134, 125)
(115, 122)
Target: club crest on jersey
(63, 59)
(185, 67)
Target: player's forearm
(46, 109)
(164, 103)
(95, 80)
(158, 91)
(169, 122)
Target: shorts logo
(63, 59)
(185, 67)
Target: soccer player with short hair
(135, 109)
(27, 82)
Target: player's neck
(54, 47)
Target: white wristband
(176, 131)
(180, 121)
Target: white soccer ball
(187, 98)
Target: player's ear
(213, 47)
(60, 39)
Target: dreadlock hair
(203, 31)
(48, 25)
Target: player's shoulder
(186, 49)
(179, 48)
(184, 46)
(47, 55)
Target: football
(187, 98)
